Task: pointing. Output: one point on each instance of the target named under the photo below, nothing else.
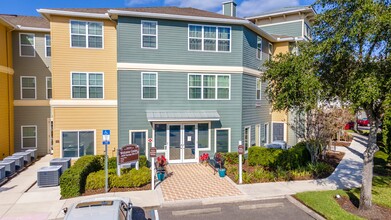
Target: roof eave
(5, 22)
(34, 29)
(309, 9)
(47, 12)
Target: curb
(307, 210)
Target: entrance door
(182, 143)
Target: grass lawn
(324, 203)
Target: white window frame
(153, 35)
(203, 38)
(35, 87)
(270, 50)
(83, 130)
(209, 136)
(249, 136)
(258, 82)
(46, 45)
(86, 34)
(285, 130)
(20, 44)
(266, 133)
(229, 137)
(156, 86)
(259, 49)
(47, 87)
(88, 85)
(146, 140)
(202, 86)
(21, 136)
(307, 31)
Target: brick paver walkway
(195, 181)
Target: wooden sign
(152, 152)
(241, 149)
(128, 153)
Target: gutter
(47, 12)
(22, 28)
(291, 39)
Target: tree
(386, 129)
(348, 60)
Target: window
(27, 45)
(307, 31)
(265, 138)
(139, 138)
(259, 48)
(48, 46)
(29, 136)
(203, 136)
(78, 143)
(223, 140)
(271, 50)
(86, 34)
(160, 136)
(209, 38)
(259, 86)
(149, 34)
(207, 86)
(87, 89)
(149, 86)
(28, 87)
(247, 137)
(48, 87)
(278, 132)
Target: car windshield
(94, 204)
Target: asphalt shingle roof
(26, 21)
(281, 10)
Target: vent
(26, 157)
(2, 173)
(64, 162)
(19, 161)
(33, 153)
(9, 167)
(48, 176)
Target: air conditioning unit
(64, 162)
(9, 167)
(19, 161)
(33, 154)
(48, 176)
(26, 157)
(2, 173)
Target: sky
(244, 8)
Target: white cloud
(131, 3)
(255, 7)
(210, 5)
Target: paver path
(195, 181)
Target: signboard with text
(128, 153)
(152, 152)
(241, 149)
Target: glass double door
(182, 143)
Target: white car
(106, 208)
(278, 145)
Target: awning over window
(183, 115)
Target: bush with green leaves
(96, 180)
(293, 158)
(133, 178)
(231, 158)
(263, 156)
(73, 180)
(320, 169)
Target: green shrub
(73, 180)
(96, 180)
(231, 158)
(282, 174)
(301, 173)
(133, 178)
(320, 169)
(143, 161)
(263, 156)
(262, 175)
(294, 157)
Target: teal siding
(172, 93)
(294, 29)
(172, 45)
(254, 111)
(250, 49)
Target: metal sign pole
(106, 170)
(153, 174)
(240, 165)
(118, 165)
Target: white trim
(256, 89)
(156, 35)
(46, 46)
(21, 87)
(285, 130)
(47, 88)
(302, 28)
(83, 103)
(146, 140)
(270, 52)
(187, 68)
(258, 139)
(88, 85)
(202, 86)
(306, 9)
(259, 49)
(209, 135)
(20, 44)
(21, 136)
(81, 130)
(203, 38)
(35, 29)
(279, 23)
(229, 138)
(249, 137)
(266, 141)
(156, 86)
(73, 14)
(86, 34)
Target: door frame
(182, 143)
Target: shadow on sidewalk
(356, 152)
(3, 189)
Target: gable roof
(28, 23)
(285, 10)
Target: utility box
(2, 173)
(26, 157)
(64, 162)
(19, 161)
(33, 154)
(48, 176)
(9, 167)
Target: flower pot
(160, 176)
(222, 172)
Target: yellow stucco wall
(6, 93)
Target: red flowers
(161, 161)
(204, 157)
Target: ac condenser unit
(48, 176)
(33, 154)
(19, 161)
(9, 167)
(64, 162)
(26, 157)
(2, 173)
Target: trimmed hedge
(96, 180)
(73, 180)
(133, 178)
(263, 156)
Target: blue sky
(245, 7)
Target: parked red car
(363, 122)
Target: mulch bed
(100, 191)
(342, 143)
(377, 212)
(333, 158)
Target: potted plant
(204, 158)
(220, 160)
(161, 163)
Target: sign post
(152, 154)
(241, 152)
(106, 141)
